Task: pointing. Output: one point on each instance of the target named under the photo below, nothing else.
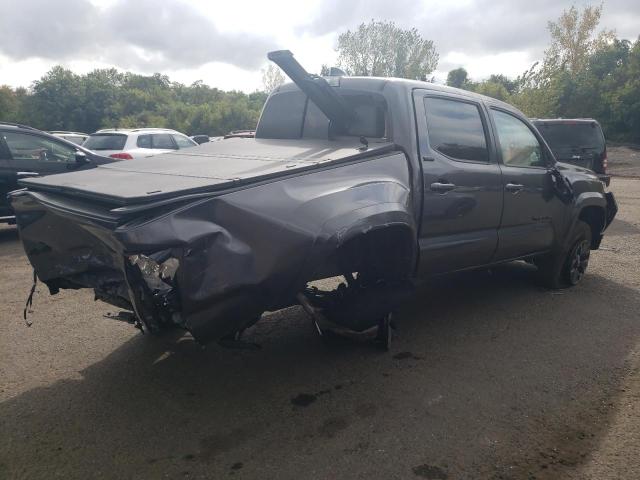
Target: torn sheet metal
(212, 264)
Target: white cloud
(225, 43)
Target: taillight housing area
(121, 156)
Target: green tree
(561, 85)
(383, 49)
(272, 78)
(574, 39)
(492, 89)
(55, 102)
(100, 90)
(9, 104)
(108, 98)
(458, 78)
(510, 85)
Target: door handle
(442, 187)
(513, 187)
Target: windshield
(105, 141)
(572, 135)
(292, 115)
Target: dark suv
(28, 152)
(578, 141)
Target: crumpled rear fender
(342, 229)
(240, 253)
(255, 249)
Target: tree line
(107, 98)
(585, 72)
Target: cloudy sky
(224, 43)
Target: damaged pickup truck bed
(380, 181)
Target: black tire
(385, 333)
(566, 269)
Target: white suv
(127, 144)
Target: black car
(27, 152)
(578, 141)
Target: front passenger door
(38, 154)
(532, 211)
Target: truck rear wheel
(566, 269)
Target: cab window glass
(184, 142)
(455, 129)
(518, 145)
(282, 116)
(316, 125)
(163, 140)
(31, 147)
(144, 141)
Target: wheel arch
(590, 208)
(386, 231)
(595, 217)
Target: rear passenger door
(462, 200)
(533, 211)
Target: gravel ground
(490, 377)
(624, 161)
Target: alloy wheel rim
(579, 261)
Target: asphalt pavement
(491, 376)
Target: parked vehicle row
(380, 181)
(75, 137)
(578, 141)
(26, 152)
(127, 144)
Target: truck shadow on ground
(490, 377)
(8, 234)
(10, 241)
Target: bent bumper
(604, 178)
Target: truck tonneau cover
(209, 167)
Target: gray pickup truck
(380, 181)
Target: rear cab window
(105, 141)
(291, 115)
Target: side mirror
(81, 158)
